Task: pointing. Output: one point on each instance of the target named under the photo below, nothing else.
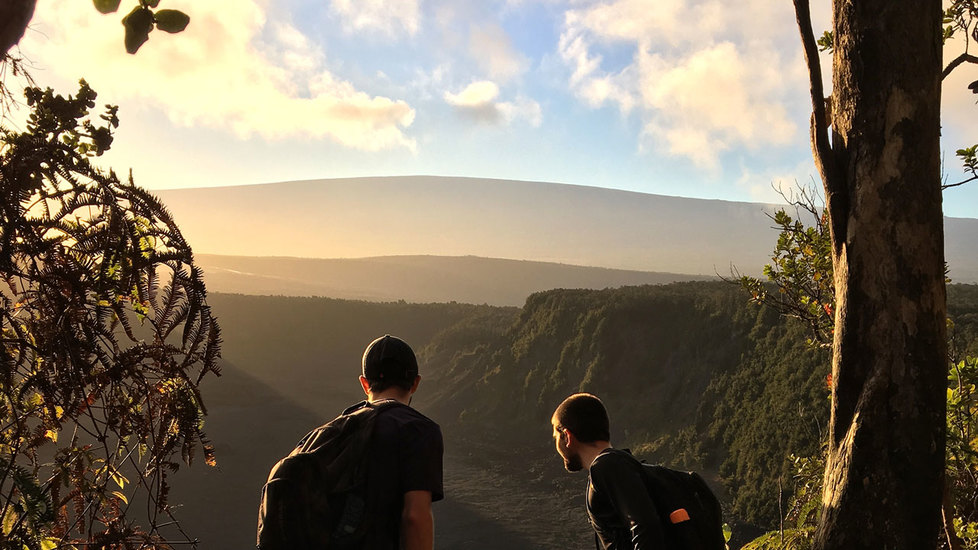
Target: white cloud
(477, 101)
(474, 95)
(774, 184)
(703, 76)
(231, 69)
(523, 108)
(491, 48)
(380, 15)
(712, 100)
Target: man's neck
(399, 396)
(591, 452)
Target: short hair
(584, 416)
(377, 386)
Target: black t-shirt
(619, 506)
(405, 455)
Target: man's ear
(414, 387)
(569, 437)
(365, 385)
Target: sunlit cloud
(391, 18)
(716, 95)
(477, 102)
(492, 49)
(232, 69)
(474, 95)
(704, 77)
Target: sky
(692, 98)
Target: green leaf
(172, 21)
(825, 42)
(118, 478)
(138, 25)
(9, 520)
(948, 33)
(107, 6)
(151, 3)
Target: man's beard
(573, 463)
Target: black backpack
(691, 515)
(315, 498)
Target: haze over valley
(449, 235)
(467, 279)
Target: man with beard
(621, 511)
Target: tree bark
(14, 17)
(885, 469)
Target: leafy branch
(800, 269)
(969, 158)
(143, 18)
(105, 335)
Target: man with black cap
(405, 455)
(366, 479)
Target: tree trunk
(14, 17)
(885, 469)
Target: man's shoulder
(405, 415)
(390, 408)
(613, 460)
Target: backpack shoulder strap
(354, 419)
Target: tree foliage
(138, 22)
(106, 334)
(143, 18)
(962, 447)
(800, 269)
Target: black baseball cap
(390, 358)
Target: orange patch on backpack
(679, 516)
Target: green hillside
(692, 374)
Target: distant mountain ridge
(453, 216)
(419, 279)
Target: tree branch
(820, 139)
(963, 58)
(835, 192)
(950, 185)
